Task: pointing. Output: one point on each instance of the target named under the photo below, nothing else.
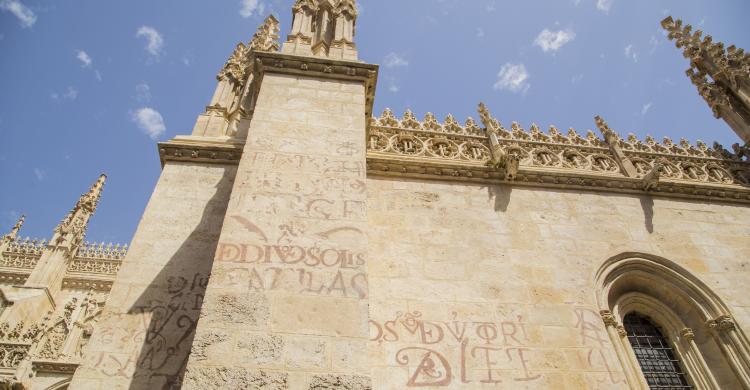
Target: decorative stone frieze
(11, 354)
(425, 148)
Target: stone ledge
(204, 152)
(565, 180)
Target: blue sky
(89, 86)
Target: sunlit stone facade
(297, 241)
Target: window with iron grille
(658, 362)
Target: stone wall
(286, 307)
(143, 338)
(493, 286)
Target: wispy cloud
(40, 174)
(154, 40)
(84, 58)
(646, 108)
(70, 94)
(143, 93)
(576, 79)
(480, 32)
(149, 121)
(249, 7)
(554, 40)
(513, 78)
(24, 14)
(604, 5)
(631, 53)
(393, 60)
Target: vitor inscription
(477, 352)
(478, 346)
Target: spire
(71, 231)
(14, 231)
(721, 75)
(323, 28)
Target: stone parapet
(451, 151)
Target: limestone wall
(286, 306)
(144, 336)
(493, 286)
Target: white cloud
(646, 108)
(143, 93)
(393, 88)
(154, 40)
(631, 53)
(84, 58)
(150, 121)
(393, 60)
(249, 7)
(604, 5)
(480, 32)
(40, 174)
(70, 94)
(554, 40)
(98, 75)
(513, 78)
(25, 15)
(576, 79)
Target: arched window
(666, 324)
(657, 358)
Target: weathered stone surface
(340, 382)
(234, 378)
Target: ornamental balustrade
(430, 141)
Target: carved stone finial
(613, 140)
(235, 68)
(687, 334)
(609, 135)
(267, 36)
(14, 231)
(323, 28)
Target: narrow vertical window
(658, 362)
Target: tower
(248, 267)
(722, 75)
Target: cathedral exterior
(297, 241)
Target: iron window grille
(655, 355)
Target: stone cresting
(95, 265)
(448, 150)
(722, 75)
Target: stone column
(287, 303)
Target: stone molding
(54, 367)
(200, 152)
(429, 149)
(317, 67)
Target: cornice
(387, 166)
(54, 367)
(319, 67)
(201, 151)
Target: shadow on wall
(647, 204)
(175, 297)
(501, 195)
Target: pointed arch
(61, 385)
(714, 349)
